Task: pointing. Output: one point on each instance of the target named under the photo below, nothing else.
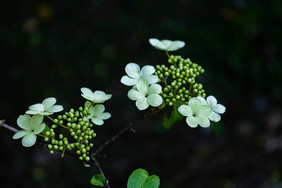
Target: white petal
(195, 104)
(203, 101)
(36, 120)
(105, 115)
(175, 45)
(39, 128)
(211, 100)
(185, 110)
(156, 43)
(154, 100)
(87, 93)
(152, 79)
(29, 140)
(45, 113)
(133, 94)
(56, 108)
(147, 70)
(32, 112)
(98, 109)
(142, 104)
(126, 80)
(154, 89)
(204, 110)
(214, 117)
(24, 122)
(37, 107)
(166, 43)
(219, 108)
(132, 70)
(97, 121)
(101, 96)
(142, 86)
(47, 103)
(191, 121)
(20, 134)
(203, 121)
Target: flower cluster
(77, 123)
(200, 111)
(33, 125)
(145, 91)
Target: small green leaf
(98, 180)
(151, 182)
(141, 179)
(47, 128)
(174, 117)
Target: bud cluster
(80, 130)
(178, 80)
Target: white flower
(134, 74)
(32, 126)
(166, 45)
(145, 95)
(196, 113)
(97, 114)
(95, 97)
(216, 108)
(47, 107)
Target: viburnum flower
(166, 45)
(134, 74)
(32, 126)
(215, 107)
(95, 97)
(97, 114)
(47, 107)
(146, 95)
(196, 113)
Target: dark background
(53, 48)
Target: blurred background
(53, 48)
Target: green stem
(42, 135)
(64, 126)
(167, 54)
(190, 89)
(50, 118)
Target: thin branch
(111, 140)
(8, 127)
(100, 170)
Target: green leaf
(141, 179)
(174, 117)
(98, 180)
(151, 182)
(47, 128)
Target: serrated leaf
(141, 179)
(174, 117)
(98, 180)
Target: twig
(111, 140)
(8, 127)
(100, 170)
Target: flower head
(95, 97)
(47, 107)
(146, 95)
(31, 127)
(97, 114)
(196, 113)
(134, 74)
(215, 107)
(166, 45)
